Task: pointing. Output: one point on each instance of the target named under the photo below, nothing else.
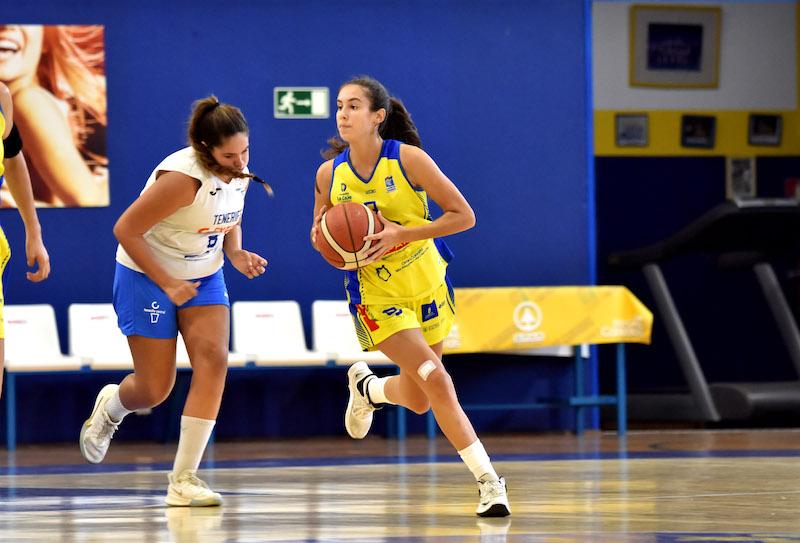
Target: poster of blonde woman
(56, 75)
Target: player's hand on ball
(391, 235)
(180, 291)
(249, 264)
(315, 226)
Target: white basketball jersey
(188, 243)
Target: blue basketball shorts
(143, 309)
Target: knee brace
(425, 369)
(12, 145)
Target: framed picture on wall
(631, 129)
(764, 130)
(698, 131)
(674, 46)
(740, 178)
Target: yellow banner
(510, 318)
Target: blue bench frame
(578, 401)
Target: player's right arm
(322, 197)
(18, 180)
(170, 192)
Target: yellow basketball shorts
(5, 254)
(433, 314)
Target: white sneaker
(188, 490)
(98, 429)
(358, 417)
(493, 497)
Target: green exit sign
(301, 103)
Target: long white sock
(477, 460)
(375, 390)
(115, 409)
(192, 443)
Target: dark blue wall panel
(498, 93)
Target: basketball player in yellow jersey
(401, 301)
(15, 170)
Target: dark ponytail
(396, 126)
(211, 123)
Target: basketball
(341, 234)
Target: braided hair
(210, 124)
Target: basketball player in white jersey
(169, 278)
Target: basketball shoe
(358, 417)
(189, 490)
(493, 497)
(98, 429)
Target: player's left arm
(457, 214)
(19, 184)
(248, 263)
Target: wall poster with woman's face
(56, 75)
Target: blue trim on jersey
(393, 152)
(444, 249)
(2, 180)
(391, 149)
(143, 309)
(380, 156)
(353, 286)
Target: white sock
(116, 411)
(375, 390)
(477, 460)
(192, 443)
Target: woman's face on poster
(20, 50)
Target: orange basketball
(341, 234)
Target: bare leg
(154, 372)
(205, 330)
(409, 351)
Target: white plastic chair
(32, 340)
(334, 333)
(31, 345)
(271, 334)
(95, 336)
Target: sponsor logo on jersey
(390, 186)
(155, 312)
(429, 311)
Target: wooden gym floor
(655, 486)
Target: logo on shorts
(383, 273)
(390, 187)
(429, 311)
(155, 312)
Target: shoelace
(107, 428)
(192, 479)
(361, 407)
(490, 490)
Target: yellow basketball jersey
(405, 272)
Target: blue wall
(499, 96)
